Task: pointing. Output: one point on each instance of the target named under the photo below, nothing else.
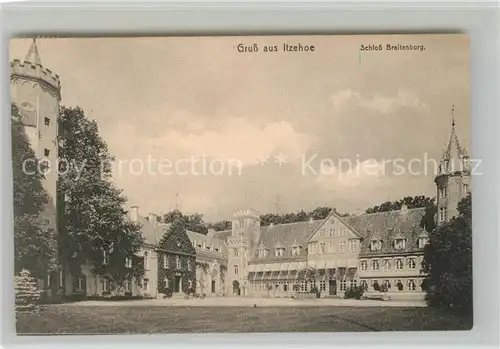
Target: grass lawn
(71, 319)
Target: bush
(355, 292)
(27, 293)
(168, 293)
(316, 291)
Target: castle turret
(36, 91)
(241, 247)
(453, 179)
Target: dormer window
(422, 241)
(262, 251)
(295, 250)
(399, 244)
(375, 245)
(279, 252)
(241, 223)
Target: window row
(394, 285)
(278, 252)
(331, 246)
(170, 262)
(397, 244)
(386, 264)
(332, 232)
(204, 246)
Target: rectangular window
(387, 264)
(178, 262)
(105, 285)
(146, 260)
(105, 257)
(47, 122)
(167, 284)
(465, 189)
(235, 269)
(285, 287)
(375, 265)
(322, 247)
(128, 262)
(81, 283)
(165, 262)
(342, 246)
(399, 264)
(60, 278)
(145, 285)
(364, 265)
(126, 286)
(422, 242)
(442, 192)
(343, 285)
(353, 245)
(46, 152)
(353, 283)
(342, 231)
(442, 214)
(236, 252)
(332, 232)
(322, 285)
(412, 264)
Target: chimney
(211, 232)
(134, 213)
(153, 219)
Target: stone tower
(241, 248)
(453, 179)
(37, 93)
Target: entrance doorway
(332, 285)
(177, 283)
(213, 286)
(236, 288)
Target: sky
(277, 131)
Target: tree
(410, 202)
(220, 226)
(91, 211)
(448, 261)
(192, 222)
(34, 241)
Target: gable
(334, 226)
(176, 240)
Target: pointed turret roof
(33, 56)
(454, 150)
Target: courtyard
(198, 316)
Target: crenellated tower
(37, 93)
(453, 180)
(241, 245)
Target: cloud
(350, 177)
(348, 98)
(225, 139)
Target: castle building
(36, 91)
(330, 255)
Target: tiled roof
(286, 235)
(210, 241)
(386, 226)
(223, 234)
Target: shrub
(355, 292)
(168, 293)
(376, 286)
(316, 291)
(27, 293)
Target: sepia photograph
(242, 184)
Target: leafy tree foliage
(91, 208)
(34, 241)
(448, 262)
(410, 202)
(192, 222)
(220, 226)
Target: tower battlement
(246, 212)
(35, 72)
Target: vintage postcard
(242, 184)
